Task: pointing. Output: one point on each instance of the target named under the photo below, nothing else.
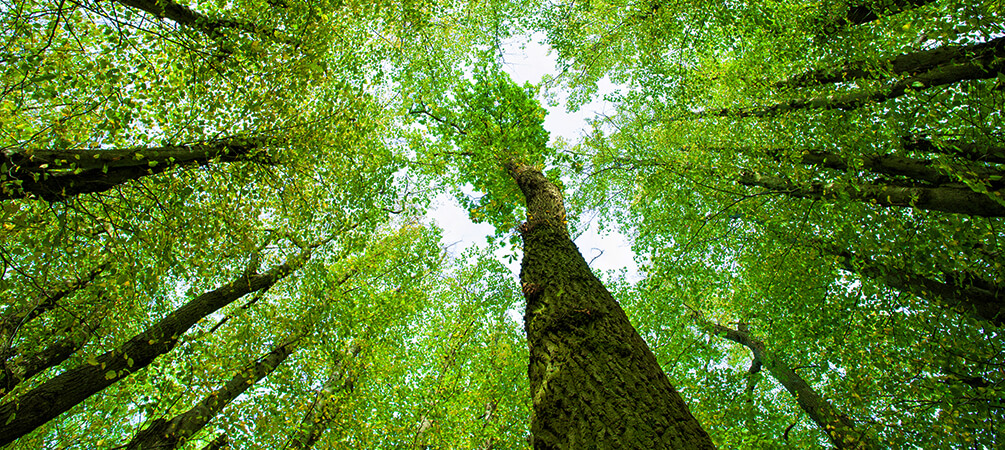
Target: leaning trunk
(839, 428)
(983, 67)
(324, 409)
(169, 434)
(965, 292)
(594, 381)
(22, 415)
(55, 175)
(941, 198)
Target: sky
(609, 251)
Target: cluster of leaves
(485, 124)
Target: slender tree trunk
(943, 198)
(322, 412)
(921, 170)
(15, 318)
(872, 10)
(55, 175)
(978, 68)
(969, 293)
(594, 382)
(50, 399)
(905, 64)
(212, 27)
(169, 434)
(967, 150)
(30, 365)
(218, 443)
(839, 428)
(183, 15)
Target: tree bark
(872, 10)
(905, 64)
(322, 412)
(967, 292)
(594, 381)
(169, 434)
(55, 175)
(22, 415)
(941, 198)
(220, 442)
(967, 150)
(30, 365)
(921, 170)
(839, 428)
(978, 68)
(16, 318)
(183, 15)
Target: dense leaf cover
(213, 217)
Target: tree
(731, 182)
(593, 379)
(589, 368)
(839, 428)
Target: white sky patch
(526, 60)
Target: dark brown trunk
(839, 428)
(980, 68)
(55, 175)
(50, 399)
(967, 292)
(218, 443)
(920, 170)
(872, 10)
(323, 411)
(967, 150)
(14, 319)
(943, 198)
(594, 382)
(906, 64)
(169, 434)
(183, 15)
(33, 364)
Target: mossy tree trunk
(594, 381)
(839, 428)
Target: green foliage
(362, 111)
(486, 123)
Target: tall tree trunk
(988, 65)
(15, 318)
(943, 198)
(219, 442)
(920, 170)
(183, 15)
(967, 292)
(594, 382)
(905, 64)
(20, 367)
(967, 150)
(839, 428)
(27, 412)
(169, 434)
(55, 175)
(872, 10)
(322, 412)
